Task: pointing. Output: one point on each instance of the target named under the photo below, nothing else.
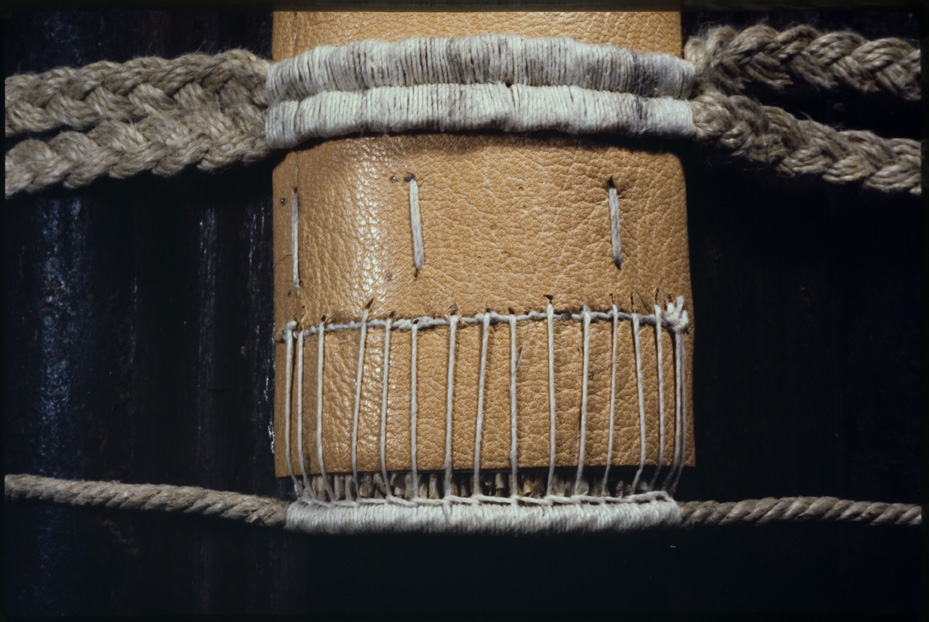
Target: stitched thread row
(675, 319)
(479, 59)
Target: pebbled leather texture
(508, 221)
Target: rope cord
(214, 111)
(270, 512)
(829, 509)
(83, 97)
(154, 497)
(773, 136)
(729, 60)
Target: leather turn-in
(509, 222)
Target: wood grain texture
(136, 339)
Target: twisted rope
(770, 135)
(762, 511)
(728, 60)
(270, 512)
(82, 97)
(159, 498)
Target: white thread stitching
(583, 432)
(678, 377)
(474, 500)
(639, 382)
(413, 408)
(550, 312)
(660, 401)
(288, 391)
(673, 320)
(454, 107)
(416, 224)
(306, 480)
(487, 58)
(476, 487)
(613, 201)
(513, 365)
(682, 390)
(614, 312)
(383, 447)
(319, 412)
(453, 327)
(294, 238)
(358, 378)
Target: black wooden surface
(137, 323)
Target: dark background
(137, 324)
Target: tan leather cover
(508, 220)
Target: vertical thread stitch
(414, 329)
(452, 329)
(383, 448)
(582, 445)
(550, 312)
(660, 397)
(613, 201)
(513, 363)
(306, 480)
(485, 330)
(358, 377)
(321, 343)
(294, 237)
(639, 380)
(288, 392)
(416, 224)
(614, 313)
(682, 389)
(677, 338)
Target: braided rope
(762, 511)
(82, 97)
(164, 115)
(728, 60)
(209, 137)
(272, 512)
(771, 135)
(159, 498)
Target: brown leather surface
(508, 221)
